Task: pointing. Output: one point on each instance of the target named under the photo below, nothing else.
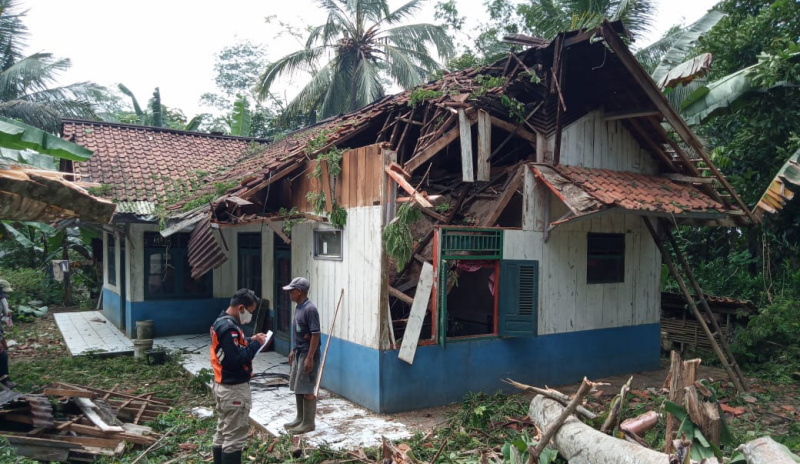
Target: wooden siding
(593, 142)
(359, 273)
(567, 303)
(359, 184)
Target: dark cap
(300, 283)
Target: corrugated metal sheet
(41, 410)
(139, 208)
(205, 252)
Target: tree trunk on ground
(765, 450)
(581, 444)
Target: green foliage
(397, 235)
(488, 82)
(770, 344)
(442, 207)
(104, 190)
(289, 223)
(338, 216)
(317, 200)
(516, 109)
(31, 284)
(701, 447)
(420, 95)
(533, 77)
(352, 54)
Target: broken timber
(395, 172)
(417, 316)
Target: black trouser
(3, 363)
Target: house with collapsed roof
(542, 181)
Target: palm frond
(417, 35)
(402, 68)
(310, 97)
(403, 12)
(338, 95)
(637, 15)
(289, 64)
(368, 85)
(136, 108)
(33, 114)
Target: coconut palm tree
(27, 90)
(360, 43)
(546, 18)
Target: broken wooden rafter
(400, 296)
(277, 230)
(509, 192)
(514, 129)
(418, 197)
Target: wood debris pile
(77, 423)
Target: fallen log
(765, 450)
(580, 444)
(553, 427)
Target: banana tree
(241, 118)
(153, 114)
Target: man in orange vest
(232, 359)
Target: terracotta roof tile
(633, 191)
(136, 160)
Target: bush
(771, 341)
(31, 284)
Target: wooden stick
(141, 411)
(327, 345)
(553, 395)
(546, 436)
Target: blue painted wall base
(379, 381)
(174, 317)
(111, 307)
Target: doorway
(283, 305)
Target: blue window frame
(167, 272)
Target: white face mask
(246, 317)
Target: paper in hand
(266, 341)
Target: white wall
(593, 142)
(566, 302)
(358, 273)
(226, 277)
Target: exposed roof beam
(630, 114)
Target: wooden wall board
(417, 314)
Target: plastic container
(144, 329)
(141, 347)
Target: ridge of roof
(161, 129)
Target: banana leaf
(776, 195)
(241, 117)
(687, 41)
(687, 71)
(19, 136)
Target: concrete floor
(340, 423)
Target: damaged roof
(589, 190)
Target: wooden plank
(417, 315)
(325, 178)
(353, 184)
(68, 392)
(688, 179)
(362, 174)
(344, 191)
(431, 150)
(465, 134)
(632, 113)
(90, 410)
(403, 183)
(96, 432)
(484, 146)
(507, 195)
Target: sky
(171, 44)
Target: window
(468, 266)
(167, 271)
(519, 297)
(111, 259)
(327, 244)
(250, 261)
(605, 260)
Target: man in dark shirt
(304, 357)
(232, 359)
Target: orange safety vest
(224, 325)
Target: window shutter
(519, 298)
